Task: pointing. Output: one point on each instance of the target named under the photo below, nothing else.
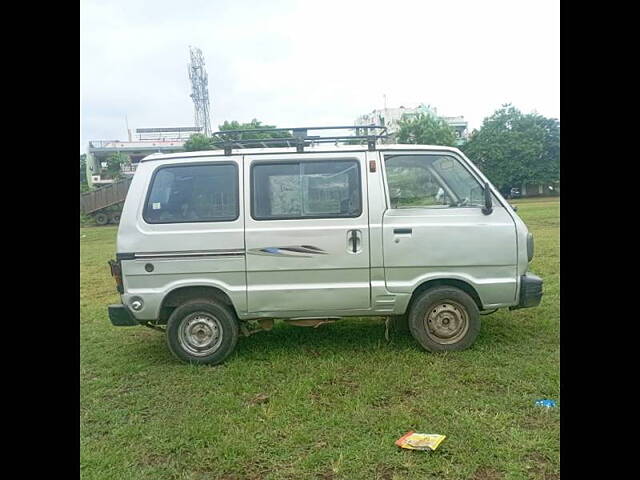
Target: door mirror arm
(488, 201)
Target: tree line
(510, 147)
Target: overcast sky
(313, 63)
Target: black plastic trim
(530, 291)
(120, 316)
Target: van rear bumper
(120, 316)
(530, 291)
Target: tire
(101, 218)
(202, 332)
(115, 218)
(444, 319)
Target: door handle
(400, 231)
(353, 240)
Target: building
(148, 141)
(389, 117)
(540, 190)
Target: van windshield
(435, 181)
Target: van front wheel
(202, 332)
(444, 319)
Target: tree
(425, 129)
(254, 124)
(83, 168)
(513, 148)
(197, 142)
(114, 164)
(84, 185)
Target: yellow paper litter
(420, 441)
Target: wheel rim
(200, 334)
(101, 219)
(447, 322)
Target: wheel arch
(448, 282)
(181, 294)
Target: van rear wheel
(444, 319)
(202, 332)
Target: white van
(217, 244)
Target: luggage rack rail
(294, 137)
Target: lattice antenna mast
(199, 90)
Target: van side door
(435, 228)
(306, 233)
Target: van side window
(433, 181)
(294, 190)
(193, 193)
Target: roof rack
(294, 137)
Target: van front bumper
(530, 291)
(120, 316)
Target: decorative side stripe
(287, 251)
(306, 251)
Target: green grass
(338, 396)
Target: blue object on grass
(546, 403)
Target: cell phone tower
(199, 90)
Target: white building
(150, 140)
(389, 117)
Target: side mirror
(488, 201)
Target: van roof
(322, 148)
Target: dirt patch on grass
(487, 473)
(532, 422)
(382, 401)
(327, 475)
(344, 383)
(540, 468)
(259, 399)
(253, 473)
(312, 352)
(153, 459)
(324, 391)
(384, 472)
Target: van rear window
(193, 193)
(305, 190)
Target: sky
(308, 63)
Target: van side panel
(422, 244)
(166, 256)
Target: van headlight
(529, 246)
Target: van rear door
(306, 232)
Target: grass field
(324, 403)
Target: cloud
(301, 63)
